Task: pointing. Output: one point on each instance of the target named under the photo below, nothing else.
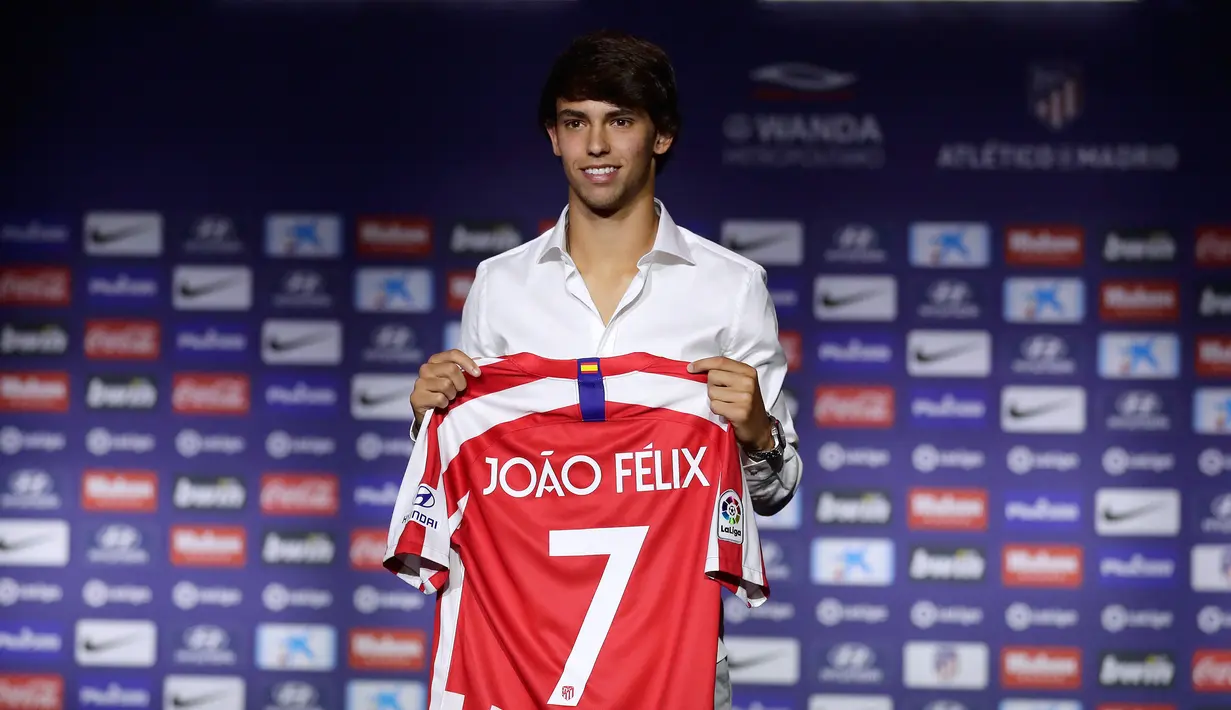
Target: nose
(597, 143)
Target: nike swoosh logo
(735, 664)
(739, 242)
(924, 356)
(191, 702)
(97, 236)
(188, 290)
(1018, 412)
(295, 343)
(372, 400)
(1118, 515)
(95, 646)
(20, 544)
(829, 300)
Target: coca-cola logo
(854, 407)
(210, 394)
(299, 494)
(1212, 671)
(122, 340)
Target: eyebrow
(574, 113)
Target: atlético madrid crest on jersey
(730, 517)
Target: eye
(572, 123)
(623, 122)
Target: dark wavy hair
(620, 69)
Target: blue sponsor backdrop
(997, 239)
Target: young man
(617, 275)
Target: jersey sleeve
(417, 549)
(734, 557)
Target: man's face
(606, 150)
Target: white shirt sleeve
(754, 341)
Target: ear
(662, 142)
(555, 143)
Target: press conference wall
(998, 243)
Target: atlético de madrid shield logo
(1055, 94)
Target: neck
(616, 240)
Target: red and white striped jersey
(573, 517)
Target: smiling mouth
(600, 173)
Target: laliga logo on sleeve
(731, 518)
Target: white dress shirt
(690, 299)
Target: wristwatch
(774, 455)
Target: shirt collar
(669, 245)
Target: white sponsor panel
(950, 245)
(123, 234)
(1044, 300)
(855, 298)
(1137, 512)
(1210, 568)
(1043, 410)
(33, 543)
(1139, 356)
(756, 660)
(301, 342)
(211, 288)
(388, 290)
(116, 643)
(948, 666)
(203, 692)
(831, 701)
(303, 236)
(767, 242)
(379, 396)
(296, 647)
(948, 353)
(857, 562)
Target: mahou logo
(1212, 671)
(119, 491)
(458, 288)
(387, 649)
(793, 347)
(1153, 300)
(33, 391)
(112, 339)
(956, 509)
(1050, 566)
(299, 494)
(1040, 668)
(210, 393)
(367, 549)
(208, 545)
(35, 286)
(394, 236)
(1213, 356)
(1214, 246)
(854, 407)
(24, 691)
(1061, 245)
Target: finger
(725, 410)
(705, 364)
(457, 358)
(458, 378)
(728, 395)
(445, 386)
(735, 380)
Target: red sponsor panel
(1045, 566)
(1213, 353)
(457, 285)
(1040, 667)
(33, 391)
(546, 225)
(36, 286)
(119, 491)
(210, 393)
(1212, 671)
(1135, 706)
(208, 545)
(1214, 246)
(1139, 300)
(953, 509)
(1044, 245)
(116, 339)
(394, 236)
(367, 549)
(31, 691)
(299, 494)
(854, 407)
(793, 346)
(387, 649)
